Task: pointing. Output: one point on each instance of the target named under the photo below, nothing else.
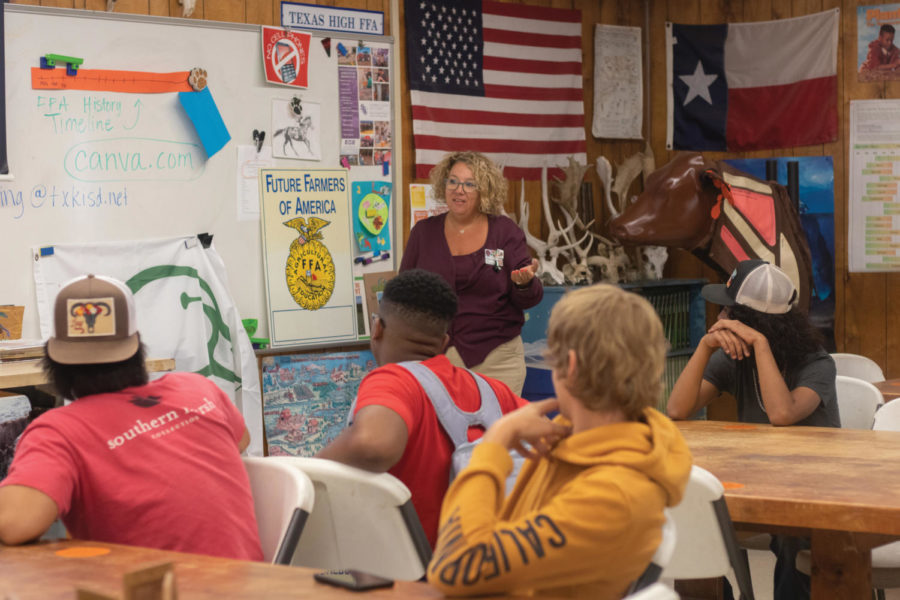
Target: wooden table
(39, 572)
(840, 487)
(20, 373)
(890, 389)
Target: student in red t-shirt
(154, 464)
(395, 428)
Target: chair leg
(740, 562)
(879, 594)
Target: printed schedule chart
(874, 230)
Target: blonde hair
(619, 346)
(488, 177)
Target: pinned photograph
(366, 134)
(383, 134)
(364, 83)
(364, 56)
(297, 127)
(382, 57)
(346, 56)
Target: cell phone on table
(353, 580)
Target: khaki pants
(506, 362)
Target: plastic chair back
(887, 417)
(656, 591)
(857, 365)
(661, 557)
(282, 500)
(706, 545)
(857, 402)
(360, 520)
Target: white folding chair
(887, 417)
(857, 402)
(706, 544)
(656, 591)
(282, 500)
(661, 557)
(857, 365)
(360, 520)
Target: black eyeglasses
(376, 317)
(453, 183)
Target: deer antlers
(575, 248)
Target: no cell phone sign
(286, 56)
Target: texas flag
(752, 86)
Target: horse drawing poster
(297, 127)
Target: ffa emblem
(309, 271)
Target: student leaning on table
(586, 512)
(763, 351)
(145, 464)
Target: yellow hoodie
(582, 522)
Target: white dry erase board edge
(50, 201)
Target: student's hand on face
(529, 424)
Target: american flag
(502, 79)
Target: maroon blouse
(490, 304)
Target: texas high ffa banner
(502, 79)
(751, 86)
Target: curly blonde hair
(488, 177)
(619, 345)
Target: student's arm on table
(375, 441)
(25, 514)
(783, 406)
(691, 392)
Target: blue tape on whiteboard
(47, 251)
(204, 114)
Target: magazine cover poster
(878, 57)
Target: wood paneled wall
(865, 316)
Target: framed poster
(307, 256)
(306, 398)
(877, 57)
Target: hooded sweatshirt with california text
(584, 521)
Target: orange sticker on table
(741, 426)
(732, 485)
(103, 80)
(82, 552)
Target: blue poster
(371, 215)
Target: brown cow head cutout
(720, 214)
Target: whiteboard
(176, 190)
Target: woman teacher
(482, 254)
